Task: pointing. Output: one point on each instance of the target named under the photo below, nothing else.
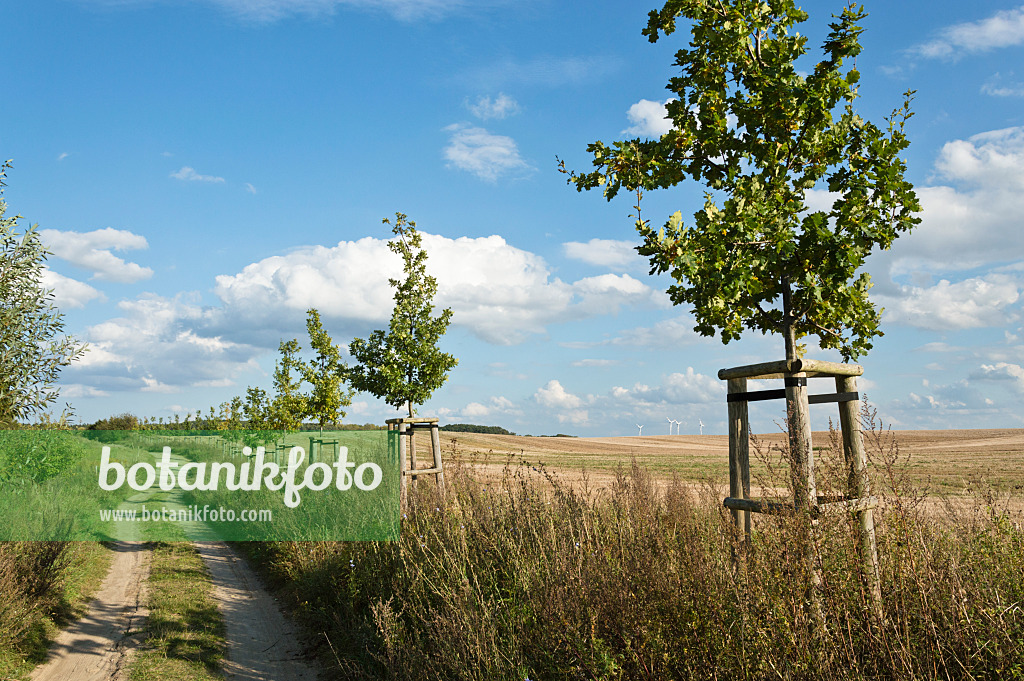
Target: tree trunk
(788, 323)
(412, 444)
(801, 457)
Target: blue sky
(204, 171)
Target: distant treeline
(131, 422)
(471, 428)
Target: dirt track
(262, 644)
(99, 645)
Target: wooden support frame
(406, 428)
(805, 498)
(316, 448)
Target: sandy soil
(99, 645)
(262, 644)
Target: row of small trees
(402, 365)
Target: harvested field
(940, 461)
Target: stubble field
(937, 461)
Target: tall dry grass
(529, 578)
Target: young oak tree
(405, 366)
(766, 139)
(326, 372)
(33, 348)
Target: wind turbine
(641, 429)
(670, 422)
(701, 426)
(678, 426)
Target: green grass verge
(184, 630)
(81, 568)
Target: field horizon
(942, 461)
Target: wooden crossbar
(423, 471)
(770, 507)
(781, 368)
(833, 397)
(780, 394)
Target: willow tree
(405, 365)
(772, 145)
(33, 346)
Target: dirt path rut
(97, 646)
(262, 644)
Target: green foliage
(41, 585)
(33, 348)
(36, 455)
(256, 409)
(761, 136)
(125, 421)
(326, 372)
(260, 418)
(471, 428)
(113, 428)
(405, 366)
(289, 405)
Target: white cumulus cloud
(971, 303)
(160, 344)
(498, 292)
(648, 119)
(77, 390)
(994, 157)
(495, 407)
(555, 396)
(94, 251)
(687, 387)
(617, 255)
(1003, 371)
(68, 292)
(566, 405)
(971, 212)
(486, 155)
